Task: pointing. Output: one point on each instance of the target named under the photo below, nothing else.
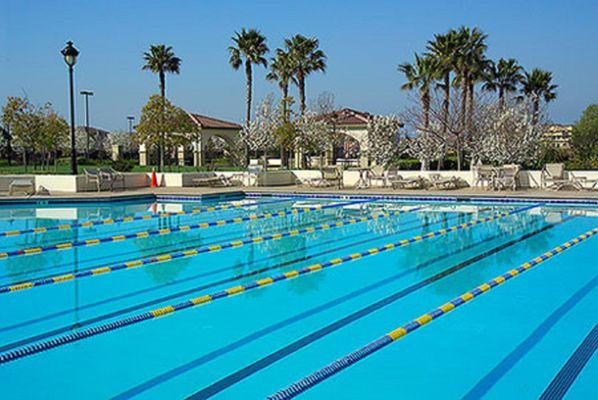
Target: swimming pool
(277, 295)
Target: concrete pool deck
(132, 194)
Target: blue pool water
(82, 336)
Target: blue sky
(364, 41)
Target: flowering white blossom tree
(383, 144)
(508, 136)
(426, 147)
(259, 134)
(314, 135)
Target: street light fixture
(87, 93)
(130, 118)
(70, 54)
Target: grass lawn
(65, 169)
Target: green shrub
(409, 164)
(123, 165)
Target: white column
(198, 156)
(115, 152)
(142, 155)
(181, 155)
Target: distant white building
(99, 139)
(353, 124)
(558, 136)
(209, 127)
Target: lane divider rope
(165, 231)
(208, 298)
(130, 218)
(193, 252)
(337, 366)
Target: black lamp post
(130, 118)
(70, 54)
(86, 94)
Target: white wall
(72, 184)
(527, 179)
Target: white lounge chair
(376, 173)
(484, 176)
(506, 177)
(21, 185)
(437, 181)
(554, 176)
(408, 183)
(585, 182)
(112, 176)
(331, 176)
(211, 179)
(92, 175)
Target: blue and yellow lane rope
(194, 252)
(164, 231)
(126, 219)
(337, 366)
(259, 283)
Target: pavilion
(209, 127)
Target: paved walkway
(465, 192)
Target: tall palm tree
(470, 60)
(478, 73)
(420, 75)
(307, 58)
(443, 50)
(282, 71)
(249, 48)
(538, 85)
(503, 77)
(161, 60)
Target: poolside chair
(484, 176)
(331, 176)
(211, 179)
(554, 176)
(376, 173)
(92, 175)
(253, 172)
(408, 183)
(111, 175)
(437, 181)
(23, 185)
(393, 173)
(506, 177)
(585, 182)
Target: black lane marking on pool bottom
(570, 371)
(491, 378)
(90, 321)
(243, 373)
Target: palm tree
(478, 73)
(537, 85)
(307, 58)
(282, 71)
(421, 75)
(249, 49)
(161, 60)
(503, 77)
(442, 49)
(470, 60)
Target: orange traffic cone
(154, 182)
